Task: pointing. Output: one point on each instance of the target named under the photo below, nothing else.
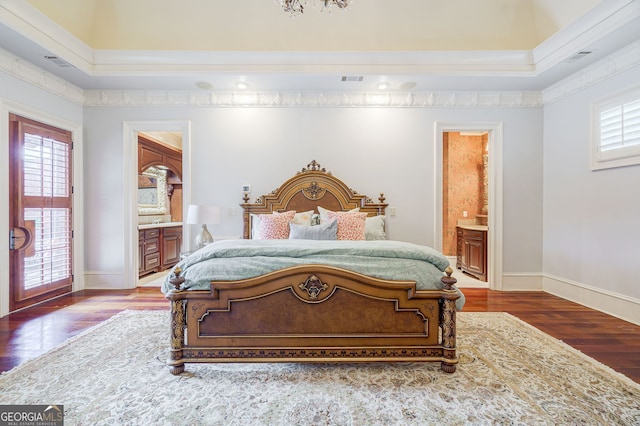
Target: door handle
(21, 238)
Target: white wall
(374, 150)
(17, 96)
(591, 230)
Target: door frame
(130, 185)
(494, 235)
(7, 107)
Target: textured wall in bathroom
(461, 182)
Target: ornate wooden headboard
(311, 187)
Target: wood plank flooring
(26, 334)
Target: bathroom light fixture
(296, 7)
(201, 215)
(383, 85)
(242, 85)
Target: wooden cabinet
(154, 154)
(171, 246)
(159, 249)
(472, 252)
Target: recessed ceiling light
(408, 85)
(383, 85)
(242, 85)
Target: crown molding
(24, 70)
(27, 20)
(616, 63)
(32, 74)
(620, 61)
(596, 24)
(462, 99)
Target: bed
(312, 300)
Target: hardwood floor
(616, 343)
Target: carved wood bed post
(177, 324)
(448, 322)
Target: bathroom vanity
(159, 245)
(471, 256)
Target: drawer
(152, 246)
(151, 261)
(170, 232)
(470, 234)
(152, 233)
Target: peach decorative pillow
(275, 226)
(351, 225)
(325, 218)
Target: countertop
(475, 227)
(159, 225)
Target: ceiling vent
(352, 77)
(579, 55)
(57, 61)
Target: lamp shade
(198, 214)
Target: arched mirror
(152, 192)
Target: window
(615, 140)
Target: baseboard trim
(614, 304)
(528, 281)
(95, 280)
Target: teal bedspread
(240, 259)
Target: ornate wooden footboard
(313, 313)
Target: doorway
(493, 146)
(159, 205)
(132, 131)
(465, 205)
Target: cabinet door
(475, 257)
(147, 156)
(171, 246)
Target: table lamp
(201, 215)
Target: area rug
(509, 373)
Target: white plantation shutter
(46, 188)
(616, 140)
(620, 126)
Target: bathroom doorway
(167, 166)
(465, 203)
(469, 196)
(159, 205)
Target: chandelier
(296, 7)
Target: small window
(615, 141)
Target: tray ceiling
(418, 45)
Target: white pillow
(374, 228)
